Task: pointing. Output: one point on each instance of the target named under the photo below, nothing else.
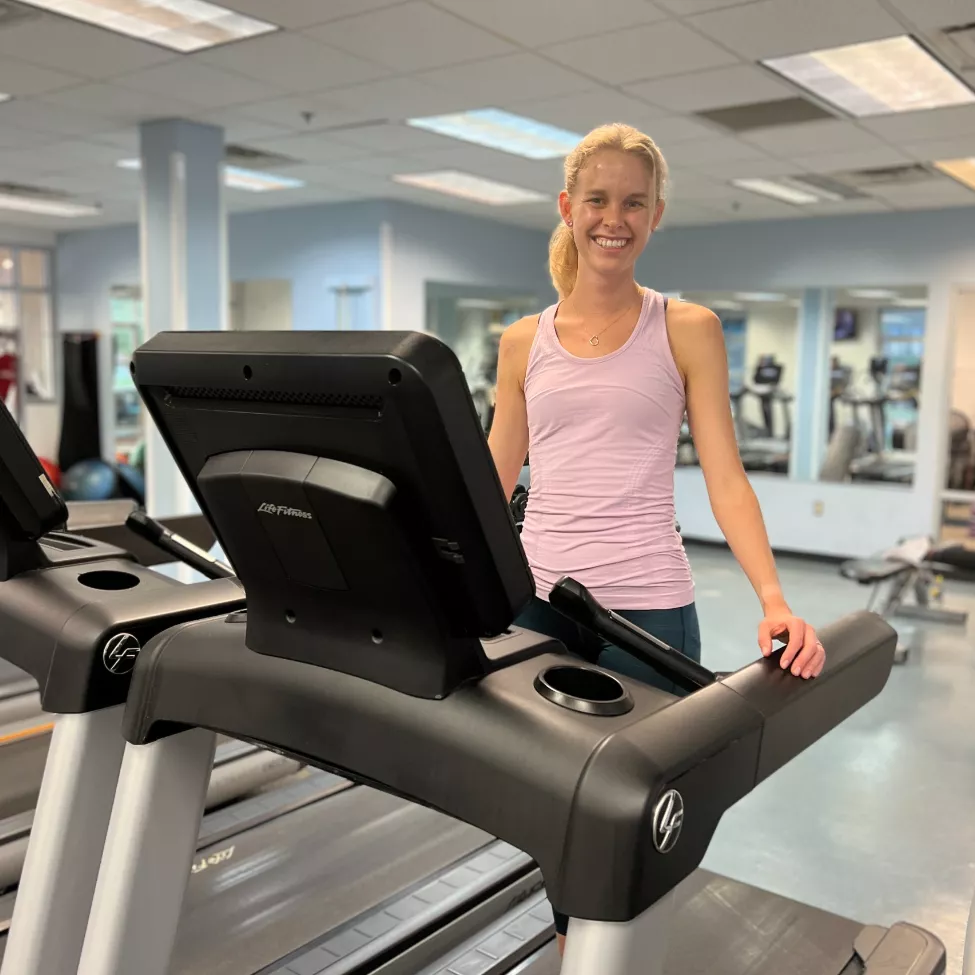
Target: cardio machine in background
(765, 447)
(382, 572)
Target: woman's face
(612, 211)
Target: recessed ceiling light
(7, 264)
(47, 207)
(251, 180)
(760, 296)
(912, 302)
(4, 97)
(873, 294)
(496, 129)
(180, 25)
(470, 187)
(778, 191)
(962, 170)
(876, 78)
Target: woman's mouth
(611, 243)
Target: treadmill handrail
(489, 752)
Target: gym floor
(876, 821)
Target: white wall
(771, 330)
(26, 236)
(936, 248)
(435, 245)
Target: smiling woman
(595, 389)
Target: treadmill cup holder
(584, 689)
(109, 580)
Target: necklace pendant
(594, 340)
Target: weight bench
(900, 570)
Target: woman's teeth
(611, 243)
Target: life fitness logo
(283, 509)
(668, 820)
(120, 653)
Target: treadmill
(363, 514)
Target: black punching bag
(80, 426)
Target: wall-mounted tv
(845, 325)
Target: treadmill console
(350, 484)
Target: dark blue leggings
(678, 627)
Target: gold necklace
(594, 339)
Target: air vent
(248, 158)
(827, 187)
(764, 115)
(888, 176)
(33, 192)
(16, 13)
(348, 401)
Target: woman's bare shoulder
(694, 332)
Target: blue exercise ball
(89, 480)
(131, 483)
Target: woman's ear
(565, 208)
(658, 214)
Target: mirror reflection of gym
(760, 331)
(876, 356)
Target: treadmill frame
(74, 807)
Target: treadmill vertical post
(148, 855)
(968, 962)
(621, 948)
(66, 841)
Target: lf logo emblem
(668, 820)
(120, 653)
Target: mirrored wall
(876, 355)
(761, 330)
(471, 321)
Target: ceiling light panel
(469, 187)
(962, 170)
(876, 78)
(777, 191)
(180, 25)
(45, 207)
(504, 131)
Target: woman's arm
(698, 344)
(508, 439)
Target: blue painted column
(810, 424)
(184, 262)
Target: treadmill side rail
(67, 837)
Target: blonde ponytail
(563, 260)
(563, 255)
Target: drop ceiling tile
(411, 37)
(540, 22)
(847, 207)
(296, 14)
(125, 139)
(544, 175)
(936, 13)
(21, 78)
(120, 105)
(506, 79)
(201, 84)
(394, 137)
(671, 129)
(687, 8)
(293, 63)
(312, 148)
(13, 137)
(395, 98)
(772, 28)
(384, 166)
(835, 162)
(741, 84)
(238, 127)
(688, 215)
(585, 110)
(713, 149)
(941, 123)
(812, 137)
(296, 113)
(641, 52)
(942, 192)
(67, 45)
(726, 169)
(34, 114)
(961, 148)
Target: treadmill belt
(274, 889)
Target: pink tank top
(602, 448)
